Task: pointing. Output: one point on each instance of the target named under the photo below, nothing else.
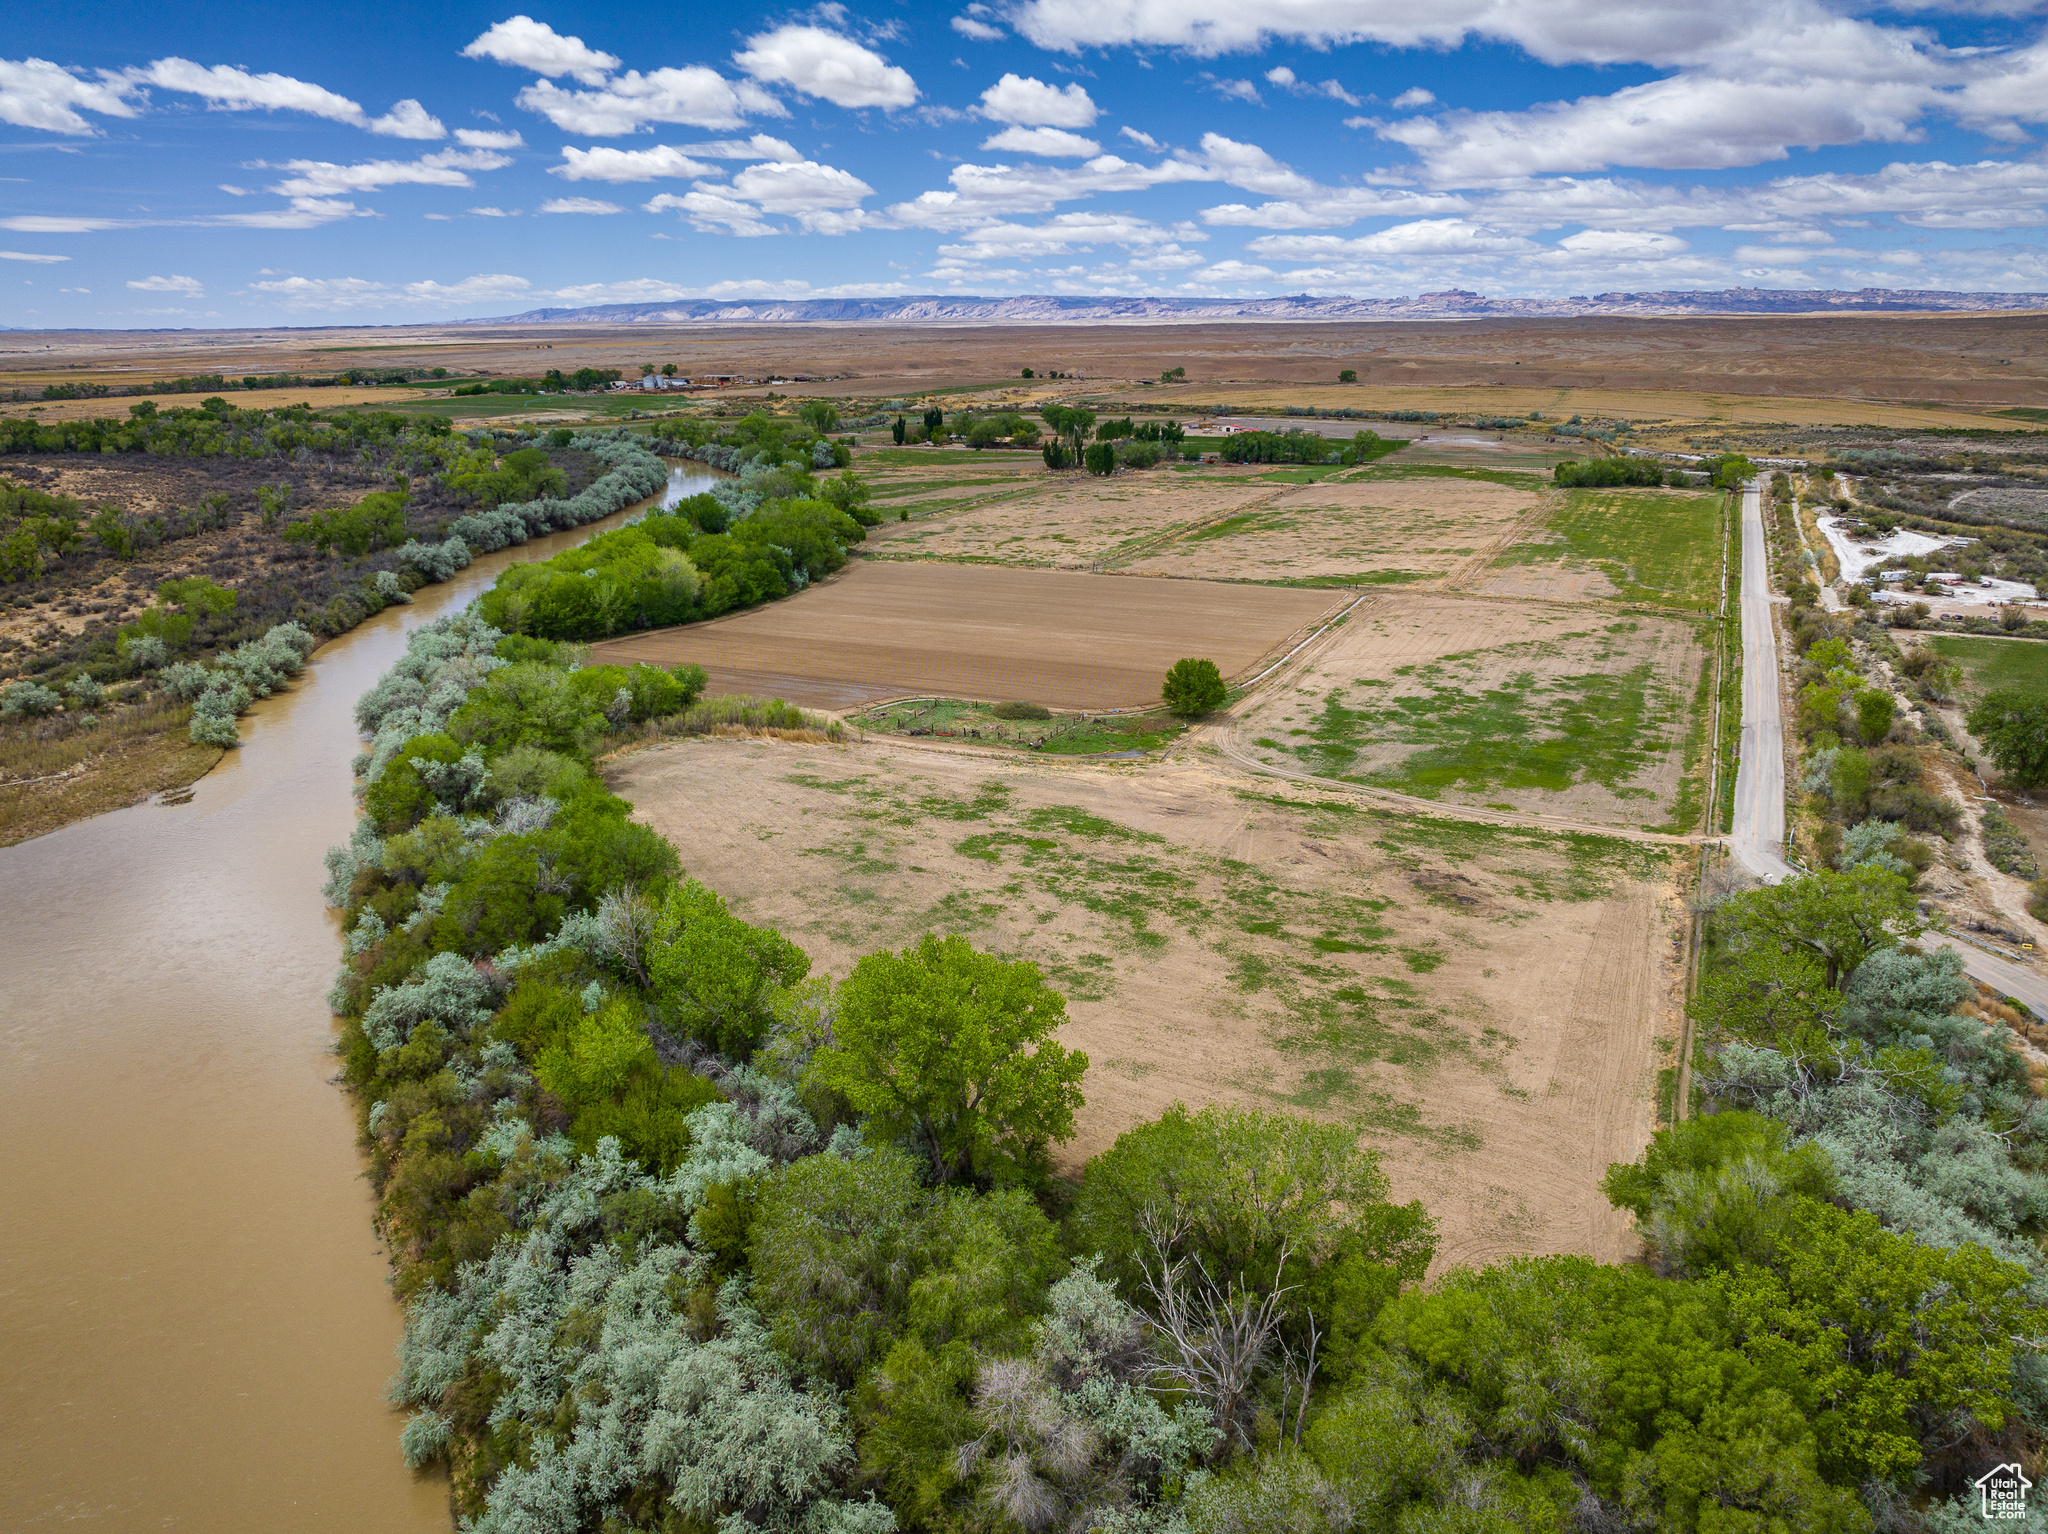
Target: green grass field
(1524, 733)
(1995, 664)
(1060, 735)
(1657, 546)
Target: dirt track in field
(1483, 1003)
(1060, 638)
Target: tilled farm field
(1525, 706)
(1060, 638)
(1485, 1003)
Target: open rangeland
(1485, 1003)
(1521, 706)
(1903, 370)
(1061, 638)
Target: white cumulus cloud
(408, 119)
(579, 205)
(1623, 244)
(482, 138)
(536, 46)
(604, 164)
(1022, 99)
(701, 97)
(1048, 143)
(34, 93)
(815, 62)
(23, 255)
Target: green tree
(1875, 711)
(1841, 919)
(1237, 1191)
(1193, 687)
(1071, 426)
(717, 977)
(1718, 1191)
(821, 415)
(2013, 725)
(1347, 375)
(956, 1047)
(899, 430)
(1878, 1338)
(1100, 458)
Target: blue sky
(217, 164)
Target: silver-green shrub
(85, 691)
(29, 700)
(447, 988)
(145, 650)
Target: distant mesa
(1452, 303)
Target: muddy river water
(195, 1323)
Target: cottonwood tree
(1839, 918)
(2013, 726)
(1193, 687)
(956, 1048)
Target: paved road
(1757, 836)
(1757, 833)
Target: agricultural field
(1521, 706)
(1991, 665)
(1375, 527)
(1277, 525)
(1659, 547)
(1060, 638)
(1484, 1003)
(1066, 521)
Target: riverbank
(52, 775)
(199, 1327)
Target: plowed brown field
(1055, 637)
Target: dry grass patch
(1482, 1002)
(1542, 709)
(52, 773)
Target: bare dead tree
(1218, 1336)
(626, 919)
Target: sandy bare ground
(1483, 1004)
(1458, 699)
(1409, 529)
(1064, 639)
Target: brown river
(195, 1322)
